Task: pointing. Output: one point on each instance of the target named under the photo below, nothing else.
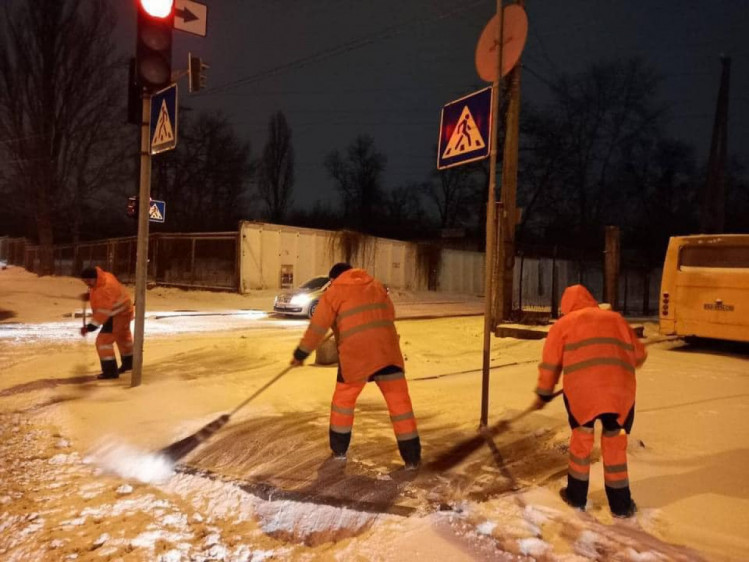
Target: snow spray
(131, 463)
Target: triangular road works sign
(466, 137)
(164, 132)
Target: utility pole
(611, 265)
(153, 70)
(712, 217)
(489, 252)
(509, 215)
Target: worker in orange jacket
(112, 311)
(598, 352)
(359, 310)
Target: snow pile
(310, 523)
(219, 499)
(288, 520)
(130, 463)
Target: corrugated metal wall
(268, 249)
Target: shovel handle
(504, 423)
(261, 389)
(270, 382)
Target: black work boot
(568, 501)
(576, 493)
(410, 451)
(108, 370)
(127, 364)
(620, 502)
(339, 443)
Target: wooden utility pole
(509, 217)
(611, 267)
(712, 217)
(489, 259)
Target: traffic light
(153, 49)
(132, 206)
(195, 74)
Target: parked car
(303, 300)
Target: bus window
(726, 257)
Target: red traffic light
(132, 206)
(157, 8)
(153, 52)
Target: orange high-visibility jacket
(108, 298)
(597, 351)
(358, 309)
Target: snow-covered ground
(80, 478)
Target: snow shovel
(181, 448)
(453, 456)
(502, 425)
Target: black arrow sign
(186, 15)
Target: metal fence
(540, 281)
(205, 260)
(211, 261)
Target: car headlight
(300, 300)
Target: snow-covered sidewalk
(78, 481)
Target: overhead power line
(340, 49)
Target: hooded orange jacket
(358, 309)
(597, 351)
(108, 298)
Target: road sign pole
(141, 263)
(490, 228)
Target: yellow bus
(705, 287)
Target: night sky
(338, 68)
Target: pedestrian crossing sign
(157, 211)
(164, 120)
(465, 130)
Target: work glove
(538, 403)
(298, 358)
(88, 328)
(85, 297)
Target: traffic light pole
(141, 264)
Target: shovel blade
(180, 449)
(462, 450)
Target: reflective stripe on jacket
(597, 351)
(358, 309)
(108, 298)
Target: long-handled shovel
(181, 448)
(460, 451)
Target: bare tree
(453, 192)
(582, 139)
(206, 179)
(358, 179)
(276, 169)
(59, 111)
(403, 215)
(657, 186)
